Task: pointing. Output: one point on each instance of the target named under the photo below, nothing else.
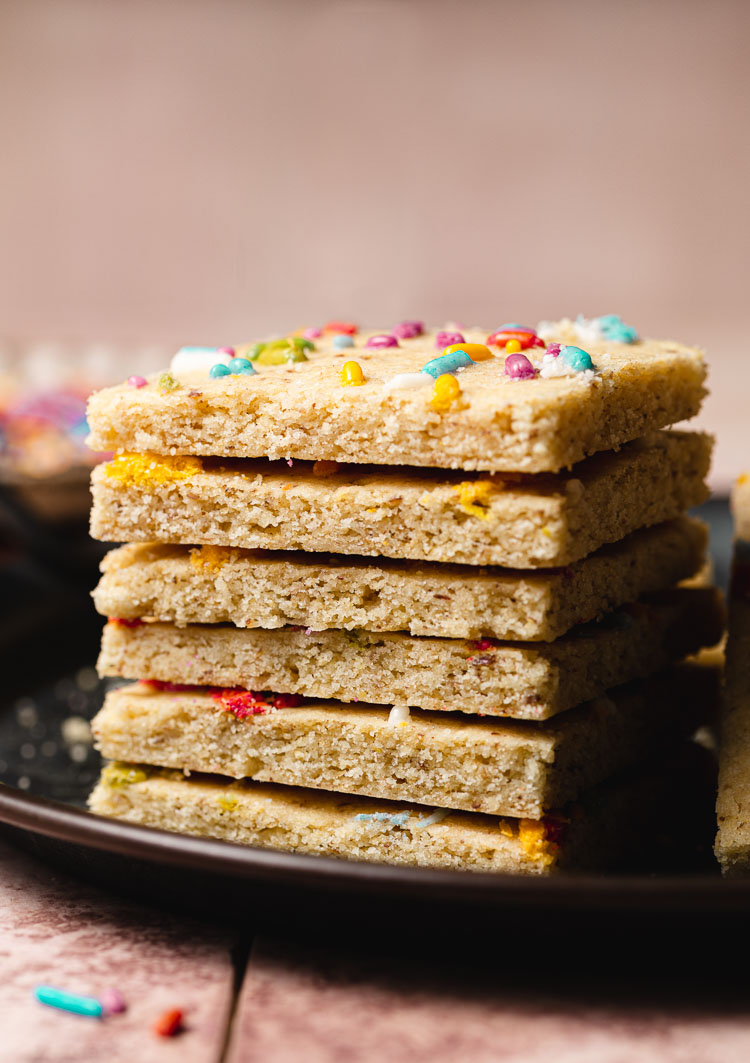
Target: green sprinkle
(255, 350)
(167, 383)
(116, 776)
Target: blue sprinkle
(576, 358)
(240, 365)
(614, 328)
(342, 341)
(58, 998)
(446, 363)
(219, 370)
(395, 819)
(514, 324)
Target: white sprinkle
(398, 714)
(408, 380)
(437, 816)
(197, 359)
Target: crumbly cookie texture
(486, 677)
(521, 522)
(732, 845)
(215, 585)
(481, 765)
(497, 424)
(741, 507)
(609, 826)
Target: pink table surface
(321, 1003)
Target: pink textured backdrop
(185, 171)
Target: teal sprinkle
(219, 370)
(342, 341)
(58, 998)
(446, 363)
(576, 358)
(614, 328)
(241, 366)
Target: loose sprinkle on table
(169, 1023)
(64, 1001)
(113, 1001)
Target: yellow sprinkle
(210, 557)
(475, 496)
(228, 803)
(534, 842)
(352, 375)
(512, 347)
(447, 391)
(115, 775)
(546, 530)
(325, 468)
(476, 351)
(743, 478)
(149, 470)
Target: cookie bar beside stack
(467, 636)
(733, 801)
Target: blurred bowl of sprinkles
(45, 464)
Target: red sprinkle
(122, 621)
(168, 1024)
(244, 703)
(344, 327)
(483, 644)
(525, 337)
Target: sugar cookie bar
(215, 585)
(304, 410)
(482, 765)
(485, 677)
(612, 825)
(520, 522)
(732, 846)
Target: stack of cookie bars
(407, 597)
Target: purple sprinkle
(408, 330)
(312, 333)
(554, 349)
(447, 339)
(112, 1001)
(385, 339)
(518, 367)
(137, 381)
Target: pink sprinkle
(137, 381)
(112, 1001)
(554, 349)
(385, 339)
(408, 330)
(447, 339)
(229, 351)
(518, 367)
(289, 462)
(312, 333)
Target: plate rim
(76, 826)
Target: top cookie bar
(496, 409)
